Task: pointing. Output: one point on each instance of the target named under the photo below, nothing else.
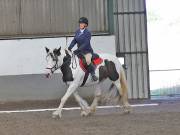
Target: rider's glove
(76, 52)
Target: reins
(73, 57)
(55, 67)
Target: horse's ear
(47, 50)
(59, 49)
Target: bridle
(56, 67)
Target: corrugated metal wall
(9, 17)
(46, 17)
(130, 28)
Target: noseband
(55, 67)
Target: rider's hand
(76, 52)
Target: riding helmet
(83, 20)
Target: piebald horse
(73, 76)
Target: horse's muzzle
(49, 73)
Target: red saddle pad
(96, 62)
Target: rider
(82, 38)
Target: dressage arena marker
(75, 108)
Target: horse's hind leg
(82, 103)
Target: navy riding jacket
(82, 39)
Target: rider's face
(82, 25)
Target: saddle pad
(95, 61)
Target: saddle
(96, 60)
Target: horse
(75, 76)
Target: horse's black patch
(65, 68)
(67, 58)
(103, 73)
(112, 72)
(57, 51)
(67, 54)
(108, 71)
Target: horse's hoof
(84, 113)
(56, 114)
(127, 110)
(93, 110)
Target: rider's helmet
(83, 20)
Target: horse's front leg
(96, 99)
(85, 110)
(72, 88)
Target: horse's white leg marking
(68, 93)
(96, 99)
(83, 104)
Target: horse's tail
(124, 87)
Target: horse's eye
(51, 55)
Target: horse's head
(54, 59)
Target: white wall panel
(27, 56)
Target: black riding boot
(91, 70)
